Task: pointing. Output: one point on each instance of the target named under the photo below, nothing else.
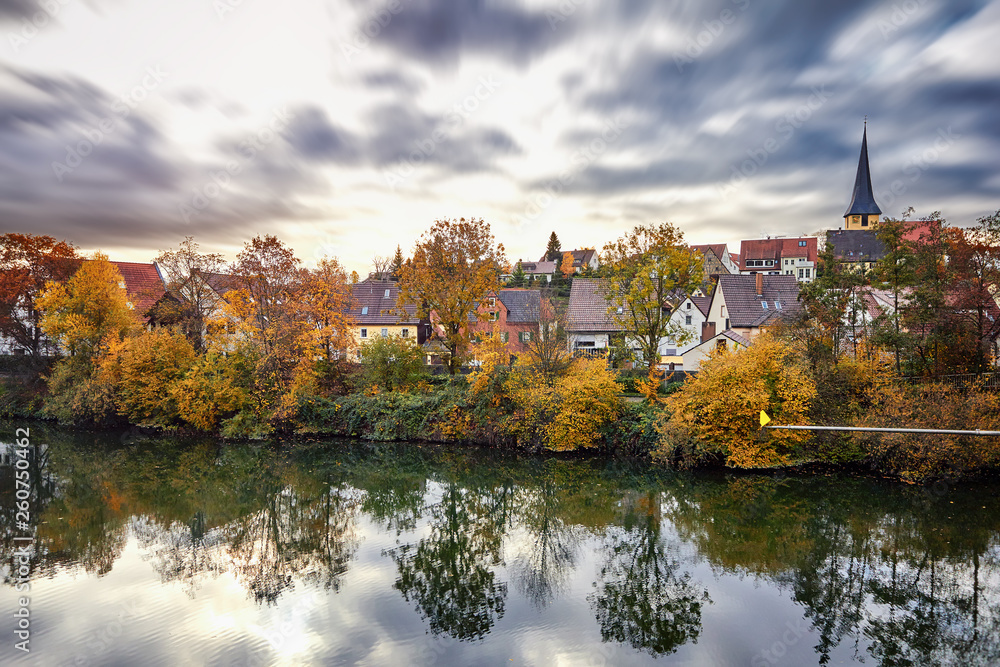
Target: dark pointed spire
(863, 199)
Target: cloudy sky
(346, 127)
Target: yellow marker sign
(764, 419)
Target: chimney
(707, 331)
(760, 284)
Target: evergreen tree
(517, 277)
(895, 273)
(397, 264)
(553, 251)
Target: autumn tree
(547, 350)
(144, 370)
(718, 410)
(187, 274)
(27, 263)
(647, 269)
(392, 363)
(974, 259)
(324, 300)
(455, 265)
(85, 316)
(88, 310)
(553, 251)
(566, 265)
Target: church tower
(863, 213)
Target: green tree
(396, 268)
(455, 265)
(646, 269)
(894, 272)
(392, 363)
(517, 277)
(553, 251)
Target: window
(525, 336)
(807, 273)
(727, 322)
(800, 273)
(405, 333)
(494, 316)
(504, 336)
(802, 244)
(687, 319)
(689, 305)
(777, 305)
(386, 293)
(364, 311)
(364, 333)
(493, 302)
(385, 332)
(763, 304)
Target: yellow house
(376, 313)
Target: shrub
(147, 367)
(717, 411)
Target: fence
(989, 381)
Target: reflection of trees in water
(294, 536)
(184, 553)
(642, 597)
(547, 555)
(448, 574)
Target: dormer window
(777, 305)
(763, 304)
(364, 310)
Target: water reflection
(887, 574)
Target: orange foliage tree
(27, 263)
(455, 265)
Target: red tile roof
(142, 283)
(777, 249)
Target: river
(169, 551)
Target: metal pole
(937, 431)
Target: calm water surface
(159, 551)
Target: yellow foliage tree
(88, 309)
(588, 400)
(144, 369)
(210, 391)
(719, 408)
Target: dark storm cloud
(403, 134)
(313, 136)
(394, 81)
(80, 164)
(441, 31)
(11, 10)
